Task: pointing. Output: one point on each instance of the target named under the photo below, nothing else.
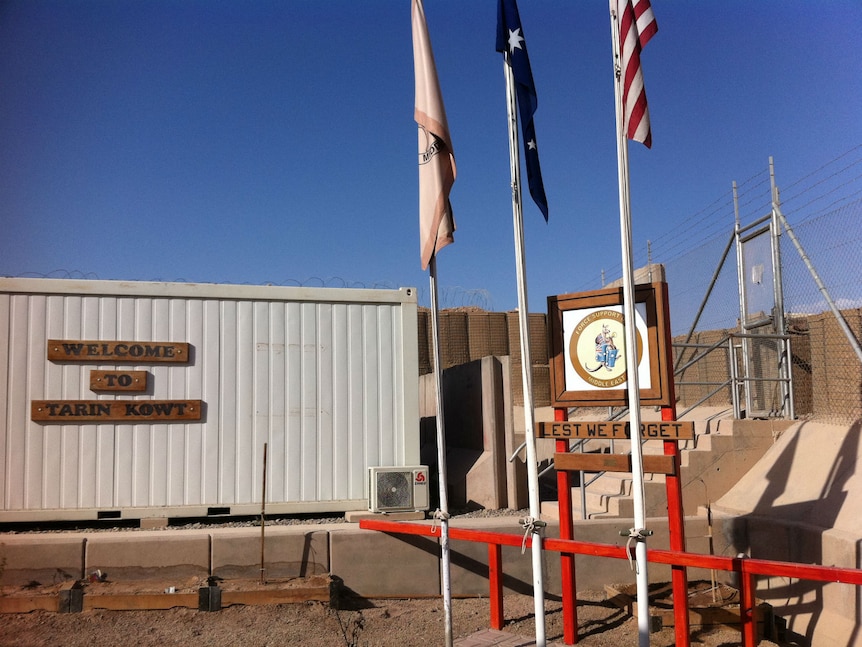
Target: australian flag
(510, 41)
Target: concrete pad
(41, 558)
(376, 565)
(356, 516)
(286, 553)
(148, 555)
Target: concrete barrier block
(469, 561)
(840, 549)
(286, 553)
(147, 556)
(391, 565)
(40, 558)
(592, 573)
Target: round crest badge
(597, 346)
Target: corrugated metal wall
(327, 378)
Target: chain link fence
(824, 210)
(704, 302)
(704, 295)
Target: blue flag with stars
(510, 41)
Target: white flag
(436, 159)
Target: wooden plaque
(128, 411)
(587, 347)
(118, 352)
(652, 463)
(664, 430)
(118, 380)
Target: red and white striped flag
(637, 26)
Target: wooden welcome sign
(129, 411)
(117, 381)
(118, 352)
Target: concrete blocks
(148, 555)
(469, 561)
(286, 553)
(479, 435)
(376, 565)
(50, 560)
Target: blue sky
(273, 141)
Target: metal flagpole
(638, 533)
(442, 513)
(532, 525)
(436, 176)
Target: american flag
(637, 26)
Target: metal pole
(740, 285)
(778, 291)
(734, 377)
(442, 514)
(263, 521)
(638, 533)
(532, 524)
(705, 299)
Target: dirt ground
(354, 623)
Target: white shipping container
(326, 378)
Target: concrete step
(610, 496)
(710, 464)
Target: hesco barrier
(826, 374)
(470, 334)
(132, 400)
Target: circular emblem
(596, 349)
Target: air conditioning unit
(398, 489)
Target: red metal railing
(746, 568)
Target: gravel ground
(379, 623)
(133, 525)
(354, 623)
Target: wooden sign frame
(134, 381)
(572, 317)
(616, 430)
(118, 352)
(104, 411)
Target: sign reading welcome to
(129, 411)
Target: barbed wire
(313, 281)
(450, 297)
(841, 174)
(838, 181)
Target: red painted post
(495, 582)
(676, 532)
(673, 487)
(746, 568)
(747, 610)
(567, 531)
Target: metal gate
(760, 357)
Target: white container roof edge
(206, 290)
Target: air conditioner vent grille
(393, 490)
